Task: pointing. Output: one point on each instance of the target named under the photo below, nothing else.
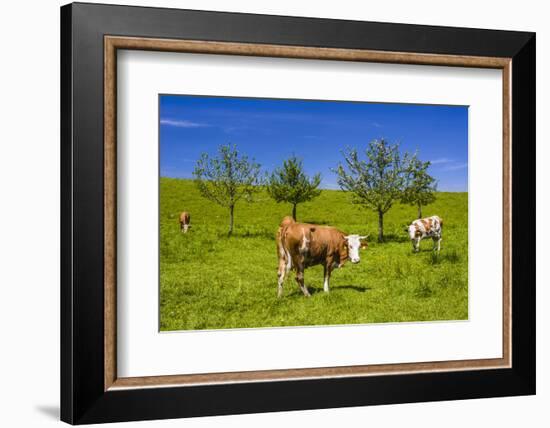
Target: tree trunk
(380, 226)
(294, 212)
(419, 211)
(231, 209)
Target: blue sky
(271, 130)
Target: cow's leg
(281, 275)
(280, 282)
(300, 280)
(326, 274)
(416, 245)
(437, 243)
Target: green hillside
(211, 281)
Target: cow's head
(413, 231)
(354, 244)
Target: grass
(211, 281)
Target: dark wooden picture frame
(90, 389)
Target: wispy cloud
(236, 129)
(183, 123)
(253, 116)
(377, 125)
(441, 161)
(456, 166)
(446, 164)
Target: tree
(377, 182)
(291, 184)
(227, 178)
(420, 187)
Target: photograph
(290, 212)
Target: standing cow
(185, 219)
(301, 245)
(429, 227)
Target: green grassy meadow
(211, 281)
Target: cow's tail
(286, 252)
(280, 248)
(282, 251)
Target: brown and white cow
(429, 227)
(301, 245)
(185, 220)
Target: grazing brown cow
(185, 219)
(429, 227)
(301, 245)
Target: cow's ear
(364, 245)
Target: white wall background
(29, 213)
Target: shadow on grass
(422, 251)
(393, 237)
(248, 234)
(447, 257)
(358, 288)
(320, 222)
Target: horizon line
(320, 187)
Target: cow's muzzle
(355, 261)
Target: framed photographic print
(265, 213)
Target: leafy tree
(377, 182)
(227, 178)
(291, 184)
(420, 187)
